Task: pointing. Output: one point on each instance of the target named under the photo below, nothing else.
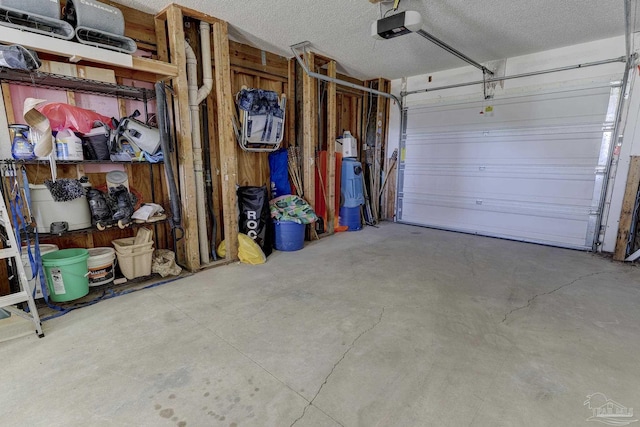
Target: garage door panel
(491, 149)
(559, 191)
(566, 232)
(526, 172)
(542, 171)
(564, 144)
(562, 108)
(470, 208)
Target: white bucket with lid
(101, 266)
(116, 178)
(44, 249)
(68, 146)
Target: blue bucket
(351, 218)
(289, 235)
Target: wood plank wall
(147, 181)
(628, 205)
(250, 67)
(226, 138)
(254, 68)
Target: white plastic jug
(68, 146)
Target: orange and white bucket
(101, 264)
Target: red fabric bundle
(65, 116)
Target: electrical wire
(394, 7)
(366, 127)
(110, 293)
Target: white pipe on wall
(207, 76)
(196, 96)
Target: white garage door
(532, 169)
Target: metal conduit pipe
(453, 51)
(629, 62)
(322, 77)
(196, 95)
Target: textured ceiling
(484, 30)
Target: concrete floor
(396, 326)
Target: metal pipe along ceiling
(322, 77)
(453, 51)
(518, 76)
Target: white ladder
(24, 295)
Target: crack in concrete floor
(530, 300)
(335, 365)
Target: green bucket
(67, 274)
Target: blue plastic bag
(278, 161)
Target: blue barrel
(351, 218)
(351, 183)
(289, 235)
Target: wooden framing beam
(226, 137)
(214, 161)
(380, 149)
(8, 104)
(192, 13)
(258, 74)
(249, 57)
(332, 132)
(161, 69)
(183, 132)
(628, 204)
(320, 60)
(387, 209)
(310, 134)
(78, 52)
(163, 55)
(161, 38)
(291, 102)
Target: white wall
(571, 55)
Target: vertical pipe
(196, 95)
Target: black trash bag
(255, 217)
(19, 58)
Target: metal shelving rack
(60, 82)
(46, 80)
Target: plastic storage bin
(289, 235)
(75, 212)
(135, 264)
(126, 246)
